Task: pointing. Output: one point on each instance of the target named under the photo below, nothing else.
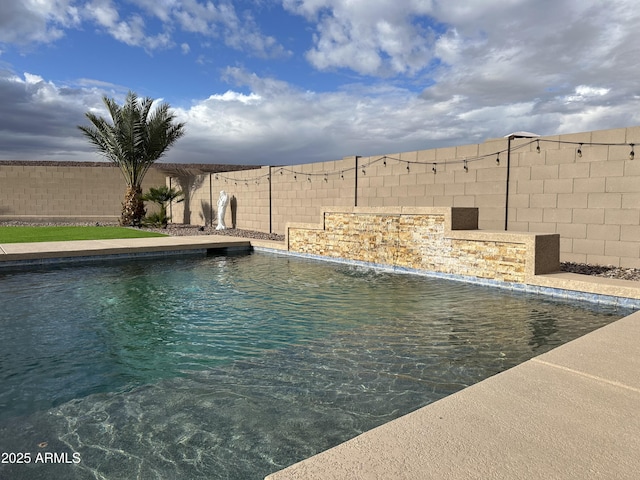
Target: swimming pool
(236, 366)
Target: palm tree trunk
(132, 207)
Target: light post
(510, 137)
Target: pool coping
(570, 413)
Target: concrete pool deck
(571, 413)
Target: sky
(283, 82)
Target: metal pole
(355, 202)
(506, 198)
(270, 204)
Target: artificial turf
(24, 234)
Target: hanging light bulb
(579, 152)
(342, 175)
(326, 178)
(466, 167)
(385, 161)
(434, 168)
(408, 167)
(538, 146)
(364, 172)
(632, 154)
(498, 160)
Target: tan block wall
(422, 239)
(56, 193)
(592, 201)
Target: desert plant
(139, 134)
(161, 196)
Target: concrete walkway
(571, 413)
(82, 248)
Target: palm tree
(161, 196)
(137, 136)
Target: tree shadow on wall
(233, 204)
(189, 180)
(206, 213)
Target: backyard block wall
(443, 240)
(592, 200)
(61, 192)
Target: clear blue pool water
(236, 366)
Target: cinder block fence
(583, 186)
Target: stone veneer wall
(443, 240)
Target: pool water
(236, 366)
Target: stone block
(622, 249)
(607, 169)
(557, 215)
(589, 185)
(543, 200)
(544, 172)
(588, 247)
(530, 187)
(620, 216)
(588, 215)
(604, 200)
(564, 185)
(623, 184)
(603, 232)
(617, 135)
(572, 200)
(572, 230)
(630, 233)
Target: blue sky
(294, 81)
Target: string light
(465, 162)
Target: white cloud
(26, 21)
(371, 37)
(130, 31)
(584, 92)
